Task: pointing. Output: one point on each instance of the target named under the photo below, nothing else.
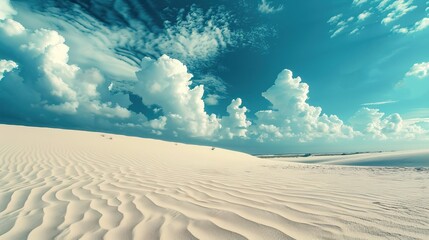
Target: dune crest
(62, 184)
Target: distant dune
(62, 184)
(415, 158)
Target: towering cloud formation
(291, 116)
(236, 124)
(53, 83)
(166, 83)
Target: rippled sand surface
(61, 184)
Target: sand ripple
(57, 184)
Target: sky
(259, 76)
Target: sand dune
(414, 158)
(60, 184)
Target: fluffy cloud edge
(6, 66)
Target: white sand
(59, 184)
(411, 158)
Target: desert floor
(62, 184)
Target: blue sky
(260, 76)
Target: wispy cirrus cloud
(378, 103)
(266, 7)
(359, 2)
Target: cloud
(166, 83)
(268, 133)
(86, 78)
(339, 24)
(158, 124)
(364, 15)
(412, 85)
(49, 87)
(6, 66)
(47, 82)
(6, 10)
(387, 11)
(335, 19)
(212, 99)
(418, 26)
(378, 103)
(395, 9)
(267, 8)
(359, 2)
(338, 31)
(420, 70)
(214, 87)
(236, 123)
(373, 124)
(11, 27)
(196, 35)
(293, 117)
(356, 30)
(212, 83)
(116, 39)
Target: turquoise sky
(258, 76)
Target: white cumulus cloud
(56, 85)
(165, 82)
(293, 117)
(6, 10)
(236, 123)
(420, 70)
(373, 124)
(11, 27)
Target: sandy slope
(58, 184)
(414, 158)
